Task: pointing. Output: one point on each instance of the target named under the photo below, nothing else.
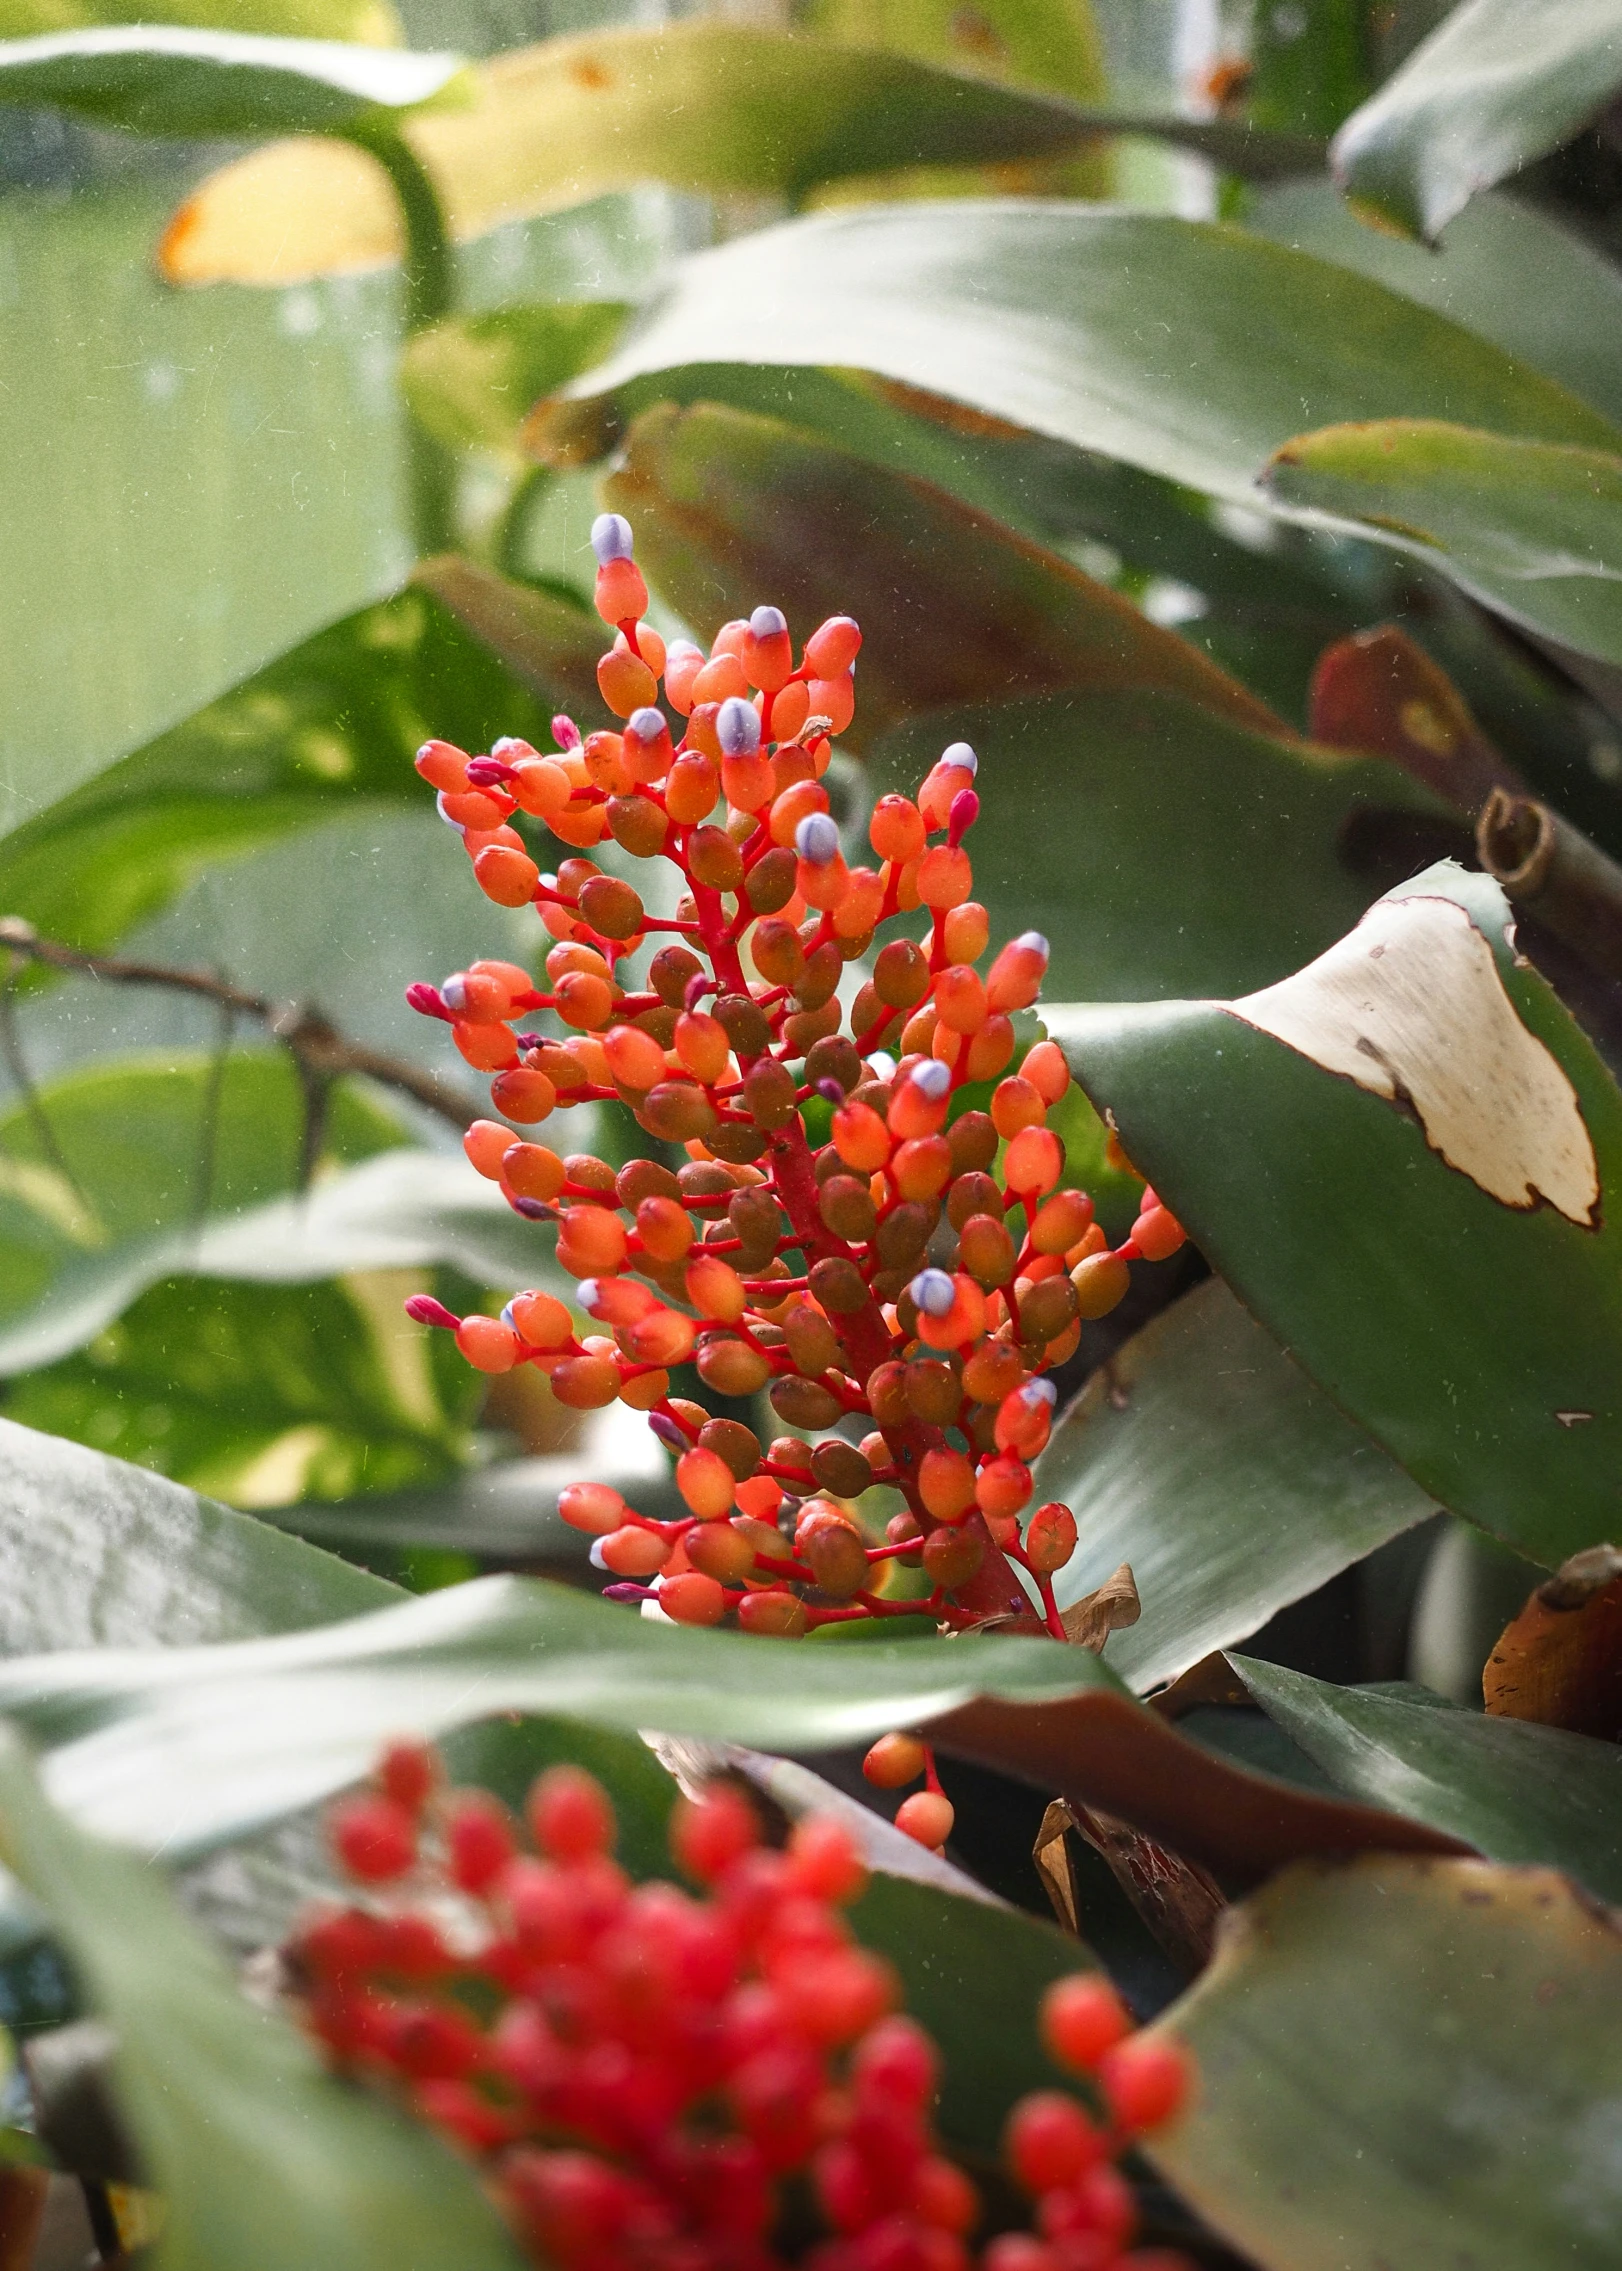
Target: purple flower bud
(646, 724)
(488, 772)
(668, 1432)
(1034, 943)
(932, 1078)
(425, 1000)
(830, 1091)
(529, 1040)
(533, 1210)
(817, 839)
(622, 1592)
(565, 732)
(423, 1309)
(696, 988)
(768, 622)
(611, 538)
(932, 1293)
(737, 727)
(960, 754)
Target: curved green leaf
(1171, 851)
(1533, 528)
(1190, 349)
(189, 82)
(1493, 87)
(703, 105)
(952, 605)
(1514, 1790)
(470, 379)
(1503, 269)
(1407, 2064)
(328, 726)
(1469, 1315)
(264, 2160)
(1206, 1459)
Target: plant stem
(507, 539)
(429, 296)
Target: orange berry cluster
(647, 2079)
(915, 1274)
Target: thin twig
(208, 1137)
(33, 1104)
(318, 1049)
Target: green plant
(1269, 563)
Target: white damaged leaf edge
(1412, 1007)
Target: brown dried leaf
(1090, 1621)
(1560, 1661)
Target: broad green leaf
(1160, 850)
(331, 725)
(1503, 269)
(1309, 65)
(263, 2160)
(1493, 87)
(1206, 1459)
(1407, 2064)
(1512, 1789)
(952, 605)
(103, 1555)
(1532, 528)
(1422, 1211)
(1044, 314)
(471, 379)
(121, 1201)
(264, 1395)
(701, 105)
(190, 1748)
(199, 82)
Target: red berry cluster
(650, 2079)
(917, 1273)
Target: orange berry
(858, 912)
(1101, 1282)
(591, 1242)
(625, 682)
(595, 1507)
(488, 1344)
(541, 1320)
(634, 1058)
(960, 999)
(706, 1484)
(946, 1484)
(702, 1045)
(927, 1816)
(663, 1336)
(790, 710)
(1016, 1105)
(475, 809)
(523, 1095)
(775, 1611)
(715, 1289)
(584, 1001)
(1046, 1070)
(832, 647)
(1158, 1234)
(620, 591)
(860, 1137)
(968, 932)
(948, 778)
(541, 787)
(532, 1171)
(632, 1551)
(491, 1048)
(692, 1598)
(896, 830)
(991, 1049)
(923, 1168)
(443, 766)
(1050, 1538)
(918, 1103)
(487, 1143)
(945, 879)
(606, 764)
(833, 699)
(766, 650)
(1060, 1221)
(683, 663)
(1017, 974)
(719, 680)
(585, 1383)
(665, 1229)
(1034, 1161)
(894, 1761)
(1003, 1486)
(692, 787)
(789, 809)
(1025, 1419)
(748, 780)
(964, 1322)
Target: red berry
(928, 1816)
(1145, 2081)
(479, 1840)
(1050, 2141)
(570, 1817)
(374, 1839)
(709, 1833)
(824, 1860)
(466, 2114)
(1101, 2207)
(895, 2063)
(1081, 2018)
(942, 2195)
(834, 1998)
(1019, 2251)
(407, 1773)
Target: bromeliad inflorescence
(917, 1274)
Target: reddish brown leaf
(1560, 1661)
(1380, 692)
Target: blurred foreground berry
(650, 2080)
(871, 1224)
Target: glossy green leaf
(1309, 66)
(952, 605)
(264, 2160)
(1405, 2065)
(1159, 849)
(328, 727)
(471, 379)
(1532, 528)
(1493, 87)
(1233, 1486)
(163, 1169)
(702, 105)
(1514, 1790)
(1047, 315)
(1468, 1315)
(196, 82)
(1502, 268)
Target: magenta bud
(697, 987)
(565, 732)
(488, 772)
(533, 1210)
(668, 1431)
(423, 1309)
(426, 1001)
(964, 812)
(620, 1592)
(830, 1091)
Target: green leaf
(952, 605)
(1514, 1790)
(196, 83)
(470, 379)
(1532, 528)
(1172, 851)
(264, 2161)
(1043, 315)
(1491, 89)
(1407, 2064)
(706, 106)
(1206, 1459)
(1503, 269)
(1309, 66)
(1442, 1265)
(328, 728)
